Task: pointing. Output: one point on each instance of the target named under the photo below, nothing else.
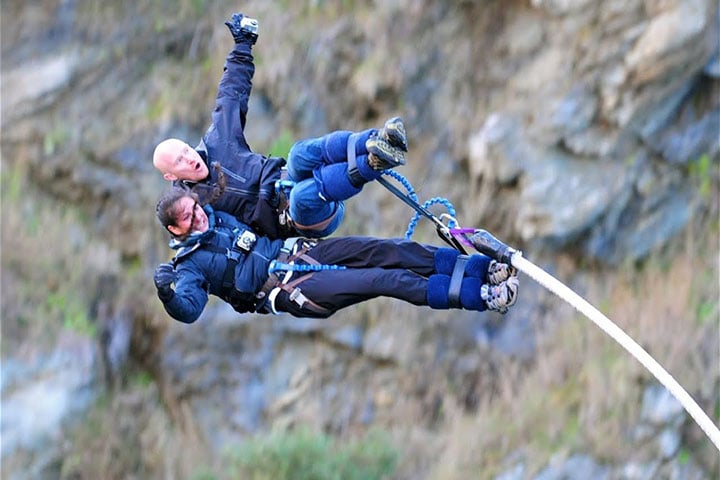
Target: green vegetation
(302, 454)
(203, 474)
(701, 171)
(282, 144)
(72, 312)
(55, 139)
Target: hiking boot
(500, 298)
(394, 133)
(498, 272)
(382, 155)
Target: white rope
(581, 305)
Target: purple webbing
(460, 233)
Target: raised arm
(236, 83)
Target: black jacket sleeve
(231, 105)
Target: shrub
(302, 454)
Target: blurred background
(586, 134)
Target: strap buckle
(297, 296)
(246, 241)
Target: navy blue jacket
(201, 262)
(250, 189)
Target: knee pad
(333, 182)
(438, 294)
(445, 259)
(335, 147)
(470, 297)
(476, 264)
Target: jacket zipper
(248, 193)
(234, 175)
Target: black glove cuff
(246, 38)
(165, 294)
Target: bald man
(321, 172)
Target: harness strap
(302, 254)
(288, 253)
(456, 282)
(293, 249)
(356, 179)
(296, 295)
(228, 283)
(283, 187)
(273, 279)
(317, 226)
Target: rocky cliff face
(575, 126)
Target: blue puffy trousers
(318, 166)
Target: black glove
(164, 277)
(243, 28)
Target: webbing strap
(356, 179)
(232, 259)
(456, 282)
(317, 226)
(296, 295)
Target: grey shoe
(382, 155)
(500, 297)
(394, 133)
(498, 272)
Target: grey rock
(594, 142)
(681, 147)
(577, 467)
(639, 471)
(664, 110)
(515, 473)
(350, 336)
(666, 34)
(54, 390)
(669, 443)
(497, 151)
(561, 7)
(560, 198)
(385, 342)
(659, 406)
(712, 67)
(574, 113)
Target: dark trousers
(375, 267)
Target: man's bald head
(177, 160)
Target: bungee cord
(485, 243)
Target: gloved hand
(243, 28)
(164, 277)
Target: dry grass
(48, 261)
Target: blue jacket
(250, 189)
(201, 262)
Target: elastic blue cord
(411, 193)
(286, 267)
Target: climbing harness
(487, 244)
(281, 271)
